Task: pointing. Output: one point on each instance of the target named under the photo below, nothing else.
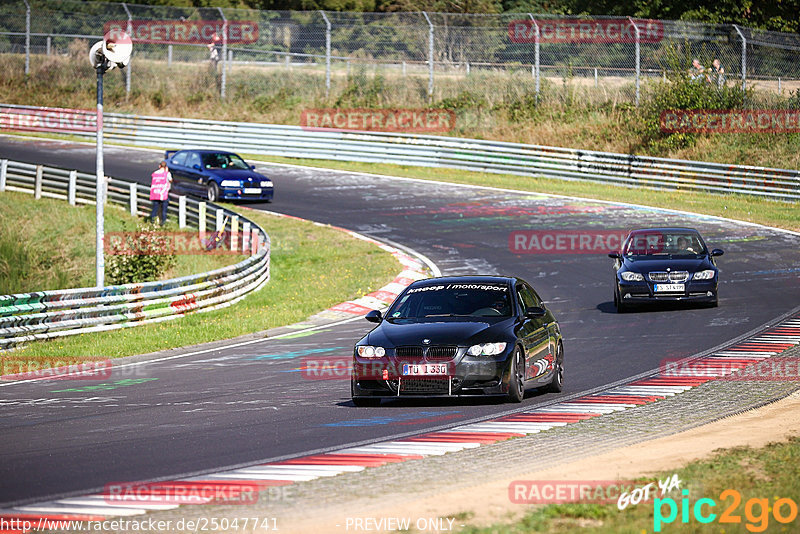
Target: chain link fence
(540, 49)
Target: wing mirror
(197, 167)
(535, 311)
(717, 252)
(374, 316)
(614, 255)
(252, 167)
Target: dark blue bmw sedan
(216, 175)
(664, 264)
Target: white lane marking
(314, 467)
(114, 502)
(256, 476)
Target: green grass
(765, 473)
(745, 208)
(312, 268)
(48, 244)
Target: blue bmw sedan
(216, 175)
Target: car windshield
(453, 300)
(224, 161)
(664, 244)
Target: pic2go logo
(756, 511)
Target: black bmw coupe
(664, 264)
(453, 336)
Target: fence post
(3, 172)
(219, 219)
(201, 214)
(430, 57)
(37, 184)
(27, 37)
(253, 242)
(73, 187)
(49, 44)
(744, 56)
(638, 57)
(245, 237)
(234, 232)
(327, 54)
(224, 51)
(182, 211)
(169, 55)
(128, 66)
(536, 54)
(134, 198)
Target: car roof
(665, 229)
(472, 279)
(206, 151)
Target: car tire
(212, 192)
(618, 304)
(557, 384)
(516, 379)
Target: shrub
(142, 256)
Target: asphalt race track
(248, 404)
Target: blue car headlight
(231, 183)
(630, 276)
(368, 351)
(266, 183)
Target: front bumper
(694, 291)
(466, 375)
(237, 193)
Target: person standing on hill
(161, 180)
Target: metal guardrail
(50, 314)
(419, 150)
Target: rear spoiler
(168, 154)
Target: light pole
(113, 51)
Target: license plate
(252, 190)
(670, 288)
(427, 369)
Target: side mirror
(374, 316)
(197, 167)
(717, 252)
(535, 311)
(614, 255)
(252, 167)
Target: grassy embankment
(761, 477)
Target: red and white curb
(194, 490)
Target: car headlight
(486, 349)
(630, 276)
(266, 183)
(230, 183)
(708, 274)
(368, 351)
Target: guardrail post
(220, 219)
(327, 54)
(49, 44)
(234, 232)
(3, 172)
(134, 197)
(638, 57)
(536, 55)
(73, 187)
(201, 214)
(245, 237)
(181, 211)
(169, 56)
(254, 242)
(430, 57)
(744, 55)
(37, 184)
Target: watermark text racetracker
(185, 31)
(146, 524)
(611, 30)
(55, 368)
(730, 121)
(380, 120)
(565, 241)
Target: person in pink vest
(159, 192)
